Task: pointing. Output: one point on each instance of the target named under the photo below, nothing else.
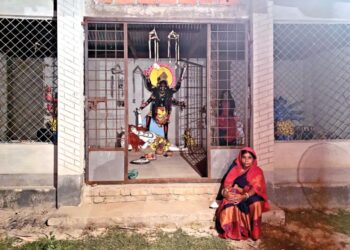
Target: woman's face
(247, 160)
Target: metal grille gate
(106, 101)
(229, 84)
(28, 80)
(193, 117)
(312, 75)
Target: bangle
(224, 190)
(247, 196)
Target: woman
(226, 119)
(239, 214)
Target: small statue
(189, 141)
(152, 142)
(160, 83)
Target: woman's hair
(222, 93)
(246, 151)
(232, 104)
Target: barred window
(229, 83)
(312, 81)
(105, 85)
(28, 80)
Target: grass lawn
(304, 229)
(120, 239)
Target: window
(28, 80)
(312, 75)
(105, 85)
(229, 84)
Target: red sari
(243, 220)
(226, 124)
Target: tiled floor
(163, 167)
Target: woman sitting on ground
(239, 214)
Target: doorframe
(126, 100)
(208, 23)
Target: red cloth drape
(227, 122)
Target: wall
(27, 8)
(26, 164)
(262, 86)
(312, 162)
(221, 159)
(312, 174)
(156, 10)
(70, 150)
(311, 10)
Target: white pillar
(262, 84)
(70, 145)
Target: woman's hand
(230, 197)
(226, 193)
(233, 197)
(237, 198)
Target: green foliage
(6, 243)
(49, 243)
(181, 240)
(118, 239)
(340, 221)
(115, 239)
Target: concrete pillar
(262, 85)
(70, 147)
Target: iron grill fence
(104, 86)
(312, 81)
(229, 83)
(193, 117)
(28, 80)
